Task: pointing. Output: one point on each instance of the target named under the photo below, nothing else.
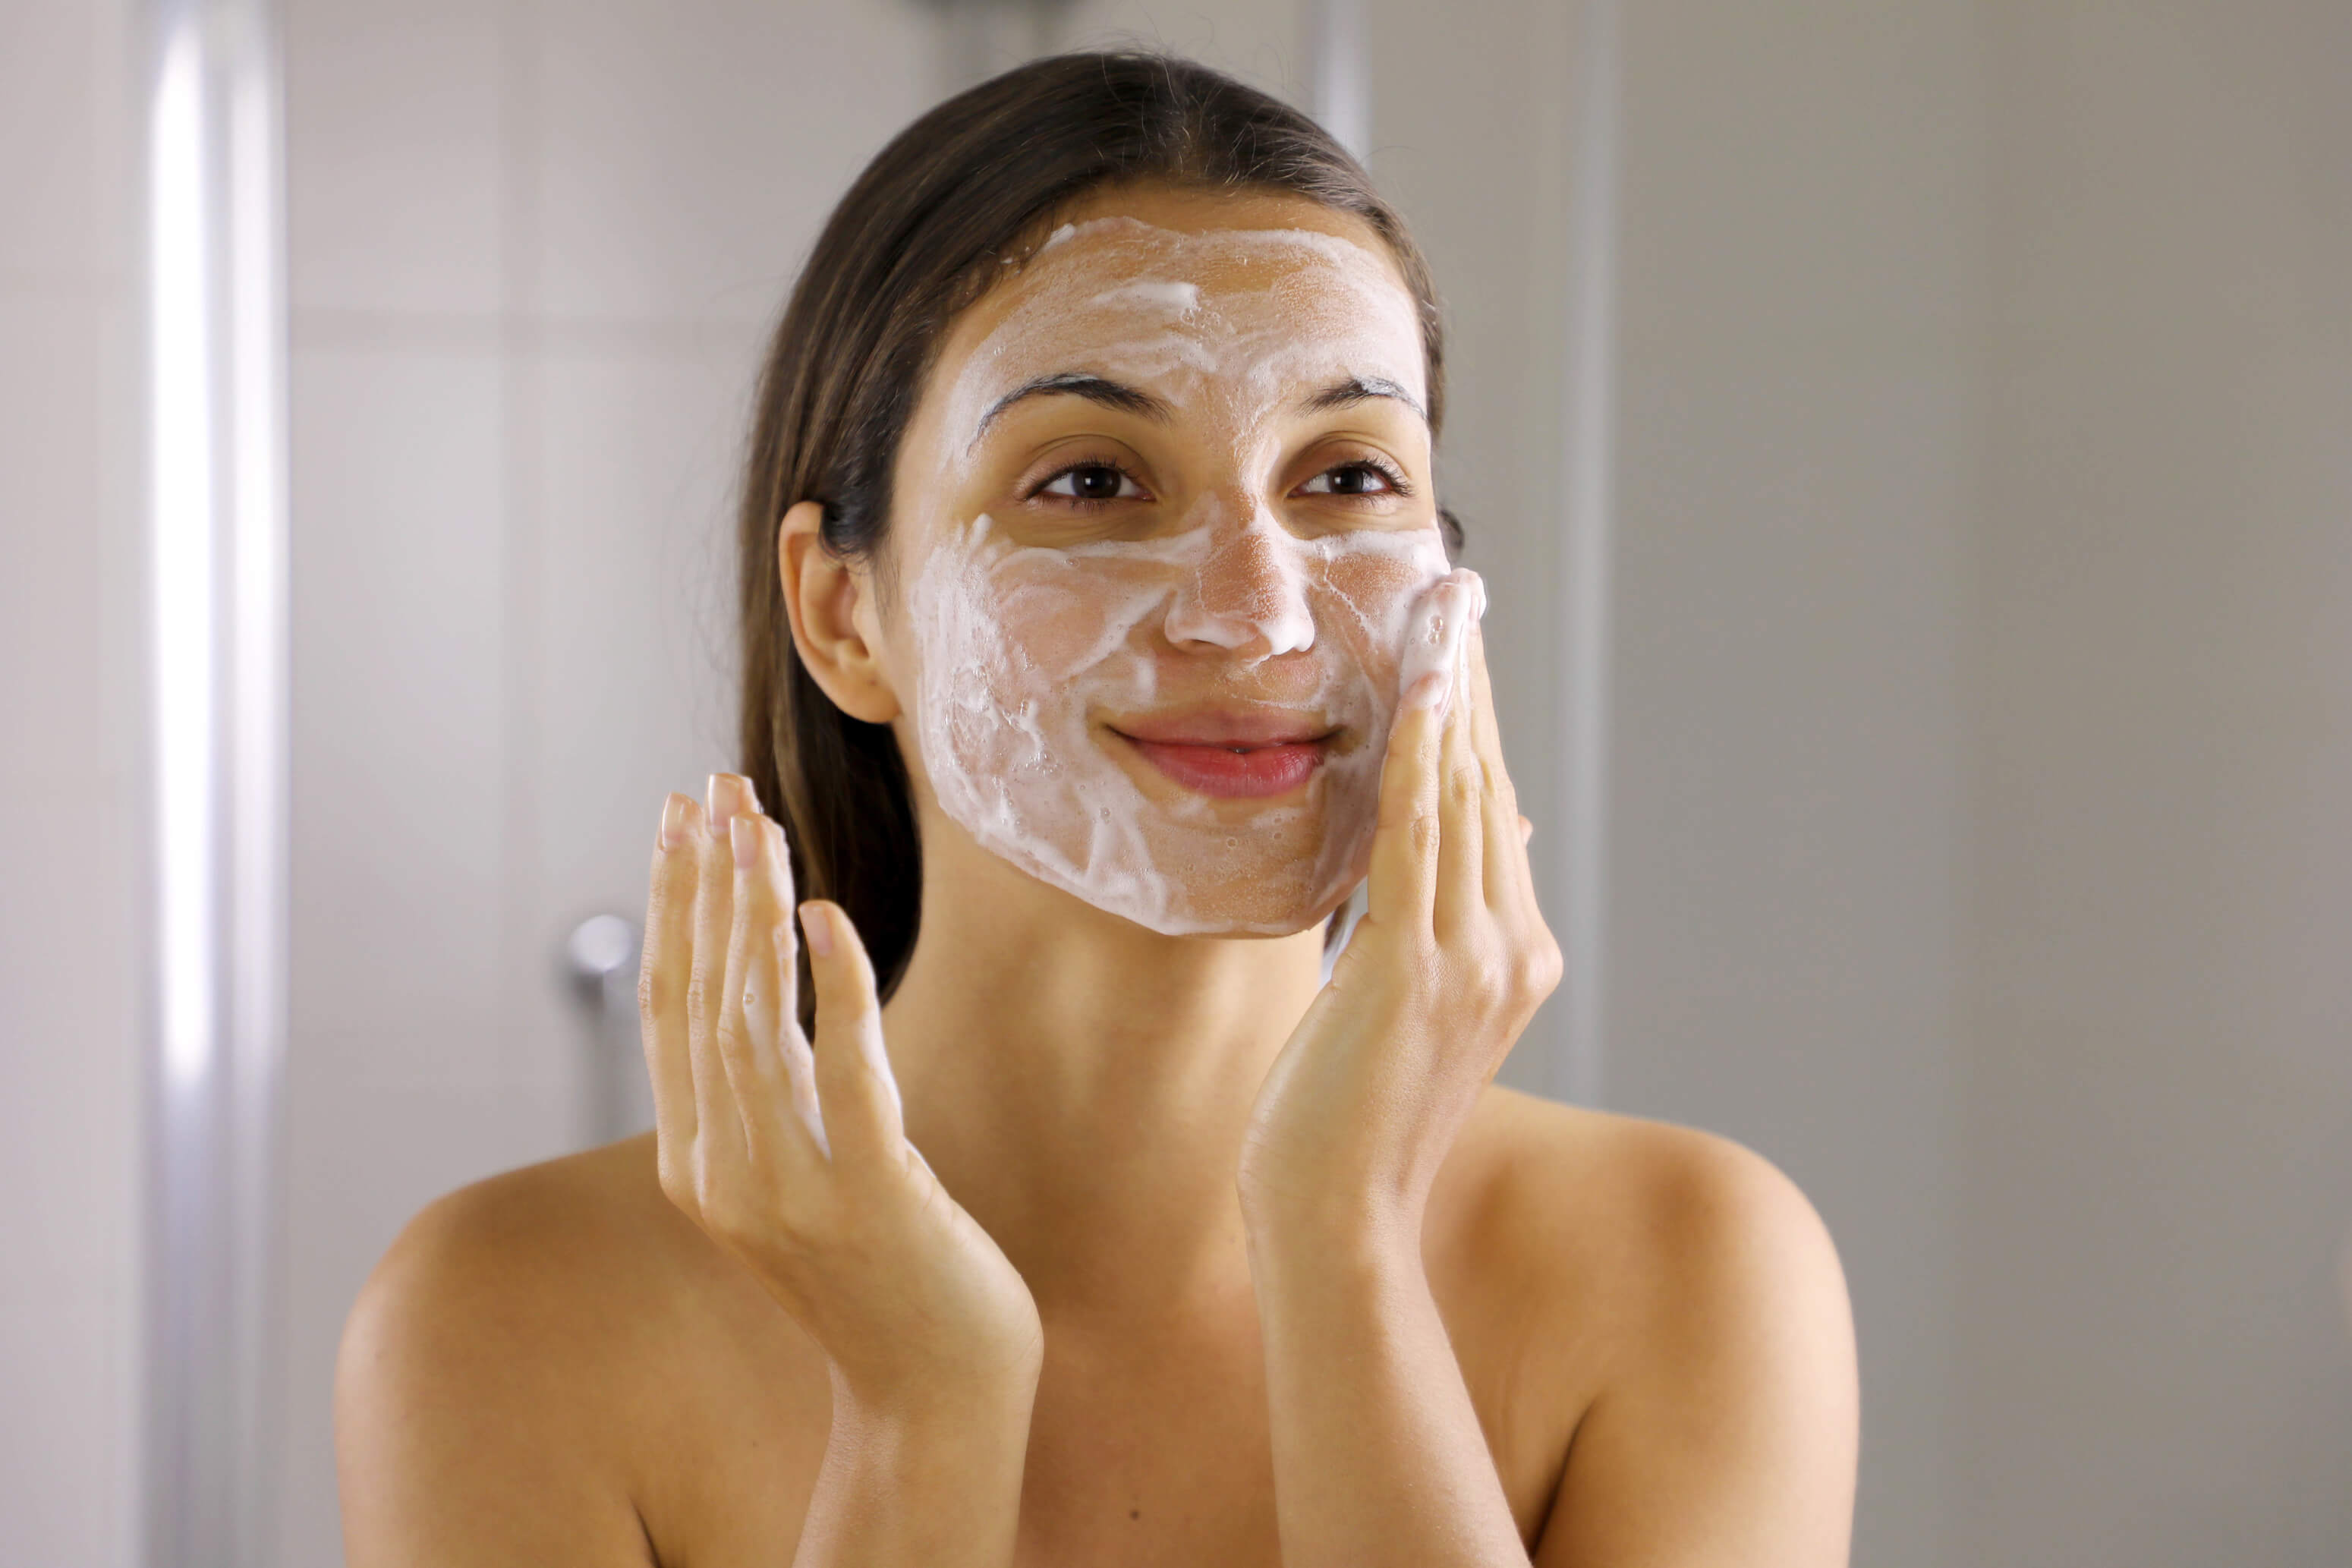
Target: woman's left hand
(1449, 962)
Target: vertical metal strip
(1340, 81)
(260, 754)
(1588, 448)
(217, 699)
(181, 1311)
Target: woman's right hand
(794, 1159)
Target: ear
(837, 621)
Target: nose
(1250, 593)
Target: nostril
(1247, 592)
(1190, 620)
(1277, 621)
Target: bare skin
(1199, 1261)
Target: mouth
(1231, 757)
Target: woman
(1099, 627)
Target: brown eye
(1092, 482)
(1359, 479)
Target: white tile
(63, 109)
(51, 461)
(399, 742)
(393, 150)
(686, 154)
(70, 1097)
(69, 972)
(633, 692)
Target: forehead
(1245, 294)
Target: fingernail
(729, 794)
(1457, 603)
(673, 820)
(1429, 692)
(816, 924)
(743, 833)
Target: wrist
(891, 1367)
(1354, 1210)
(983, 1375)
(1323, 1277)
(947, 1409)
(1365, 1226)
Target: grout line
(525, 966)
(519, 331)
(98, 286)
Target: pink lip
(1230, 755)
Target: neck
(1081, 1085)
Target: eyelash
(1390, 476)
(1082, 466)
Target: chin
(1271, 871)
(1280, 903)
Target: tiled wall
(70, 810)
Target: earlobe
(835, 628)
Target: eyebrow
(1077, 384)
(1362, 389)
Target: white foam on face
(1031, 656)
(1233, 322)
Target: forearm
(1378, 1456)
(935, 1482)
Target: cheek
(1074, 621)
(1365, 600)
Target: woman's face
(1163, 521)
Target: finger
(800, 1062)
(1486, 729)
(662, 982)
(1527, 832)
(855, 1089)
(771, 999)
(1486, 734)
(1403, 869)
(748, 1015)
(1462, 831)
(1504, 874)
(719, 1125)
(1402, 877)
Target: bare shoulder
(1687, 1301)
(531, 1258)
(1670, 1206)
(513, 1369)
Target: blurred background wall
(1800, 315)
(71, 799)
(1978, 714)
(2157, 1115)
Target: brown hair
(915, 240)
